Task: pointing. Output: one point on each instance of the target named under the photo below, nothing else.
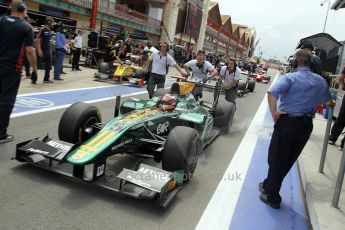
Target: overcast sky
(280, 24)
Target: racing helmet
(167, 103)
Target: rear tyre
(224, 115)
(181, 150)
(76, 122)
(104, 67)
(241, 85)
(251, 85)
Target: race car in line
(261, 76)
(128, 72)
(171, 128)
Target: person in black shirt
(316, 66)
(16, 35)
(44, 49)
(128, 46)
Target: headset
(165, 43)
(293, 62)
(20, 6)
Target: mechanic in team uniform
(160, 62)
(230, 74)
(44, 47)
(299, 93)
(200, 68)
(16, 35)
(339, 123)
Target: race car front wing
(144, 182)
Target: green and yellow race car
(171, 128)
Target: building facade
(193, 24)
(223, 37)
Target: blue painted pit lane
(236, 205)
(47, 101)
(251, 213)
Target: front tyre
(76, 122)
(224, 115)
(181, 150)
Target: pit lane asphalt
(32, 198)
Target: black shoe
(62, 72)
(58, 79)
(261, 188)
(263, 197)
(78, 69)
(33, 82)
(8, 138)
(49, 82)
(331, 142)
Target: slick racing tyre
(76, 122)
(104, 67)
(241, 85)
(224, 115)
(181, 150)
(251, 85)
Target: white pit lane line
(220, 209)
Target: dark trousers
(26, 66)
(76, 58)
(48, 64)
(155, 79)
(231, 94)
(9, 84)
(339, 125)
(289, 137)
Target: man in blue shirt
(59, 52)
(299, 93)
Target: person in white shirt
(77, 45)
(230, 74)
(148, 51)
(160, 62)
(200, 68)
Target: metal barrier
(325, 141)
(339, 183)
(341, 172)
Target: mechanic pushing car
(160, 62)
(200, 68)
(230, 74)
